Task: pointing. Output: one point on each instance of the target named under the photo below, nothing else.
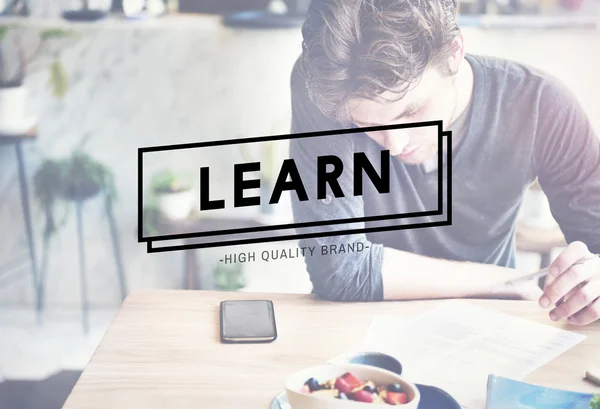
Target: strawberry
(396, 398)
(363, 396)
(342, 386)
(351, 380)
(305, 389)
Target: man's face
(432, 99)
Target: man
(380, 62)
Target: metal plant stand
(79, 204)
(17, 141)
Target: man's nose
(396, 140)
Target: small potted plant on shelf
(15, 64)
(73, 179)
(229, 277)
(173, 194)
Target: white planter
(176, 206)
(12, 110)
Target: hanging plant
(76, 178)
(16, 63)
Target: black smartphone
(248, 321)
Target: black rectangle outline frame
(437, 212)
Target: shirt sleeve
(567, 157)
(336, 276)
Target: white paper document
(377, 331)
(456, 346)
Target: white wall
(131, 87)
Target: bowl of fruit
(349, 386)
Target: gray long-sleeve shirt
(522, 124)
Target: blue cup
(377, 359)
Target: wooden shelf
(13, 138)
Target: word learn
(361, 163)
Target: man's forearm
(408, 276)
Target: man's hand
(573, 290)
(527, 291)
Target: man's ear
(457, 54)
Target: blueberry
(342, 396)
(312, 384)
(369, 389)
(394, 387)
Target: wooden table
(163, 350)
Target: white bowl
(299, 400)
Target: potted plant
(75, 179)
(229, 277)
(173, 194)
(16, 64)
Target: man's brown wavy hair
(362, 48)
